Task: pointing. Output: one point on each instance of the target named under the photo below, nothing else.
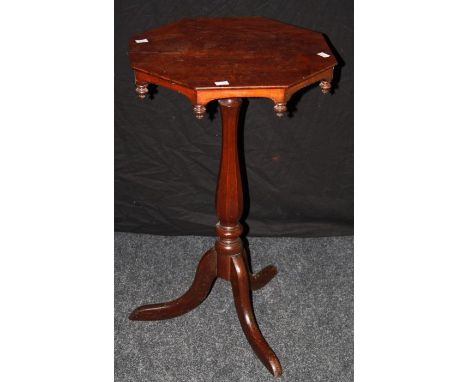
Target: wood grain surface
(212, 58)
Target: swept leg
(260, 279)
(204, 278)
(240, 288)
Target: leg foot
(201, 286)
(242, 300)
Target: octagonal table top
(209, 58)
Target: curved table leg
(201, 286)
(260, 279)
(240, 288)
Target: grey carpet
(305, 312)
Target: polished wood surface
(258, 57)
(229, 199)
(241, 291)
(228, 259)
(201, 286)
(263, 277)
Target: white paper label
(220, 83)
(141, 41)
(323, 54)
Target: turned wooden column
(231, 258)
(229, 199)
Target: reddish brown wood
(223, 261)
(229, 199)
(258, 57)
(241, 292)
(201, 286)
(260, 279)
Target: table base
(210, 267)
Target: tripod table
(227, 59)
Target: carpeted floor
(305, 312)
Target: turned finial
(141, 89)
(199, 111)
(325, 86)
(280, 108)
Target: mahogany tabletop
(210, 58)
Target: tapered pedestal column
(228, 259)
(232, 262)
